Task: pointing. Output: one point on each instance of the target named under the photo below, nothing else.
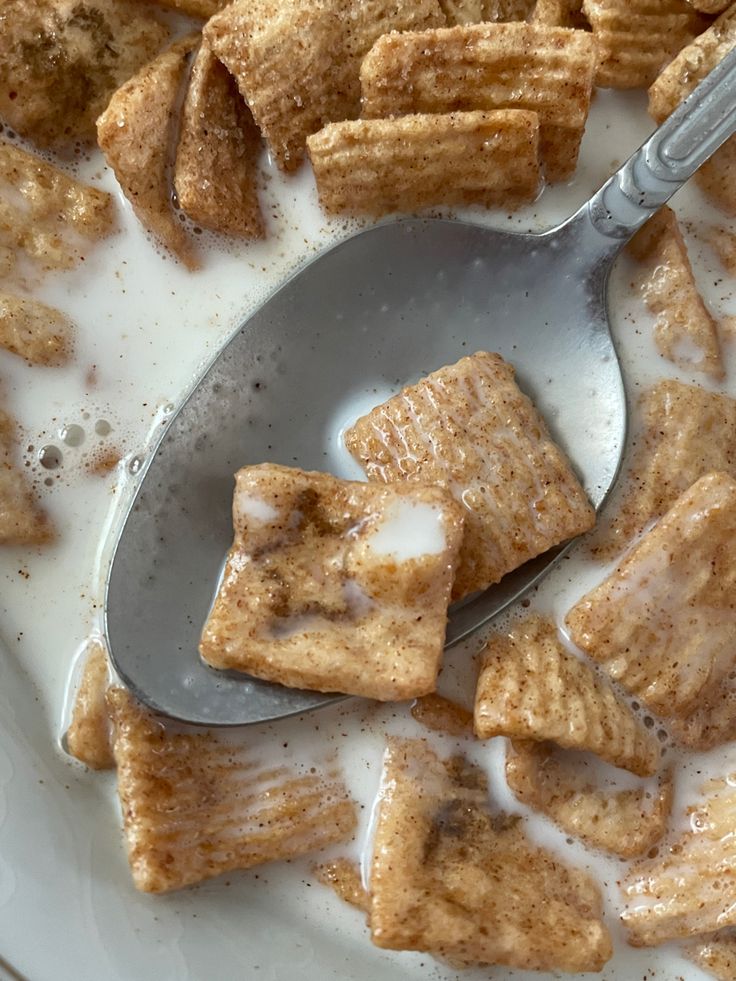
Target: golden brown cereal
(685, 331)
(61, 60)
(297, 65)
(136, 133)
(196, 8)
(46, 214)
(321, 591)
(531, 687)
(468, 428)
(453, 878)
(375, 166)
(216, 171)
(688, 889)
(88, 736)
(475, 11)
(724, 243)
(664, 622)
(715, 954)
(559, 13)
(625, 822)
(34, 331)
(637, 38)
(196, 804)
(544, 70)
(711, 6)
(717, 177)
(442, 715)
(343, 876)
(21, 520)
(687, 432)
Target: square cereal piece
(531, 687)
(216, 170)
(637, 38)
(546, 70)
(456, 880)
(475, 11)
(88, 737)
(685, 332)
(376, 166)
(22, 522)
(297, 64)
(717, 176)
(34, 331)
(335, 586)
(664, 622)
(468, 428)
(196, 803)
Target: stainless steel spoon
(362, 319)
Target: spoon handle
(659, 168)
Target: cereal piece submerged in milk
(34, 331)
(531, 687)
(443, 715)
(334, 585)
(716, 954)
(196, 804)
(22, 522)
(664, 622)
(688, 889)
(458, 880)
(626, 823)
(88, 738)
(685, 331)
(468, 428)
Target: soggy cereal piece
(454, 879)
(136, 132)
(687, 433)
(22, 522)
(34, 331)
(717, 176)
(468, 427)
(376, 166)
(688, 889)
(637, 38)
(334, 585)
(61, 60)
(88, 738)
(715, 954)
(625, 822)
(45, 214)
(443, 715)
(203, 9)
(544, 70)
(297, 65)
(531, 687)
(196, 804)
(216, 160)
(475, 11)
(559, 13)
(343, 877)
(664, 622)
(685, 332)
(723, 242)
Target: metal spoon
(362, 319)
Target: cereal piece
(21, 520)
(203, 9)
(475, 11)
(688, 890)
(687, 433)
(334, 585)
(717, 176)
(637, 38)
(375, 166)
(297, 65)
(724, 244)
(453, 879)
(478, 67)
(61, 60)
(664, 622)
(46, 214)
(442, 715)
(216, 170)
(685, 332)
(88, 736)
(715, 954)
(468, 428)
(196, 804)
(136, 134)
(343, 876)
(530, 687)
(711, 6)
(625, 822)
(33, 331)
(559, 13)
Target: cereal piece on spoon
(88, 737)
(34, 331)
(335, 586)
(22, 522)
(468, 428)
(136, 134)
